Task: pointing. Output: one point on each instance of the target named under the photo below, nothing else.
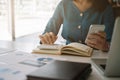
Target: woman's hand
(48, 38)
(98, 41)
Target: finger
(52, 36)
(98, 40)
(40, 36)
(51, 33)
(43, 41)
(91, 36)
(47, 36)
(89, 43)
(93, 45)
(95, 37)
(102, 34)
(55, 38)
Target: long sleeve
(108, 21)
(56, 20)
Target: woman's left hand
(97, 41)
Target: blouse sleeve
(56, 20)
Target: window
(4, 27)
(30, 16)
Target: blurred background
(22, 17)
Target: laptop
(111, 67)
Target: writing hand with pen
(48, 38)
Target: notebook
(61, 70)
(73, 49)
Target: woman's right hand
(48, 38)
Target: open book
(72, 48)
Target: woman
(76, 17)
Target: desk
(12, 60)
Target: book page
(46, 51)
(80, 46)
(76, 53)
(50, 47)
